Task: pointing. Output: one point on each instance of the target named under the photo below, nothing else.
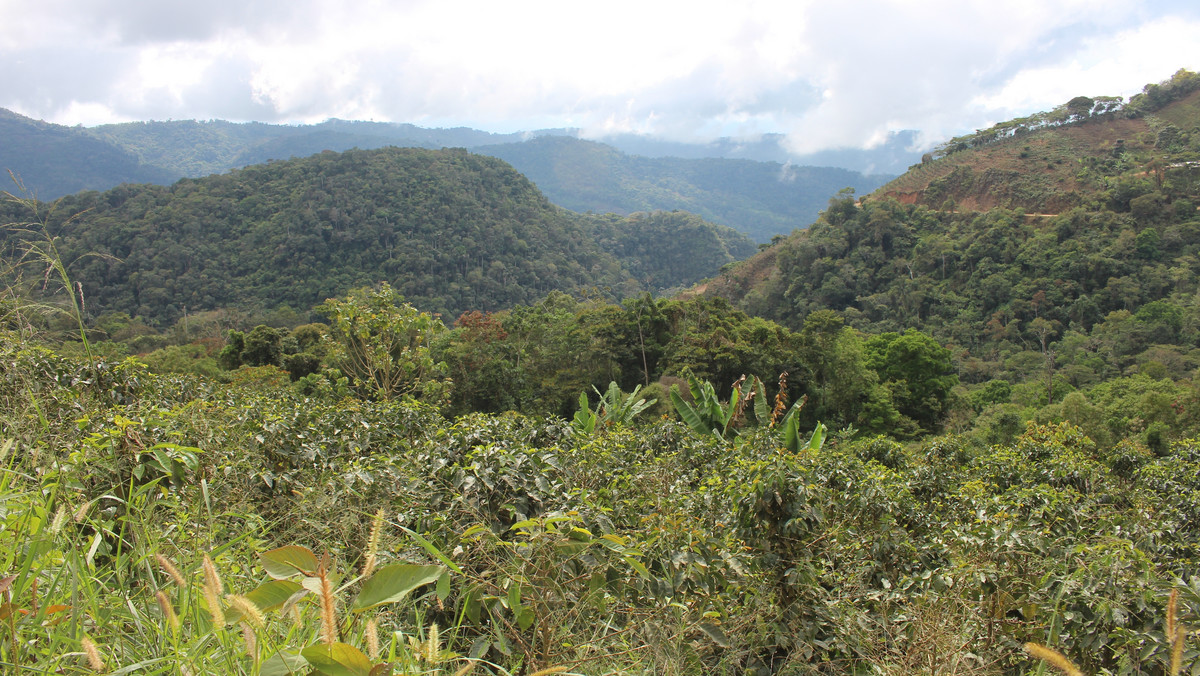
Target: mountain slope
(451, 230)
(1053, 161)
(51, 160)
(1104, 288)
(761, 199)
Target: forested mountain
(1102, 287)
(761, 199)
(451, 230)
(52, 160)
(194, 149)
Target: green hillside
(760, 199)
(51, 160)
(1041, 311)
(452, 231)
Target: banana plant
(706, 414)
(614, 408)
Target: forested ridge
(1043, 312)
(759, 199)
(453, 232)
(52, 160)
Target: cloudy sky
(827, 73)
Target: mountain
(194, 149)
(51, 160)
(451, 230)
(760, 199)
(1057, 251)
(894, 156)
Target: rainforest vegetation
(916, 437)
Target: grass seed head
(1054, 658)
(93, 654)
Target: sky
(828, 74)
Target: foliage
(451, 231)
(760, 199)
(649, 549)
(384, 345)
(614, 408)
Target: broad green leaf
(284, 664)
(818, 438)
(514, 598)
(392, 583)
(791, 433)
(734, 399)
(687, 413)
(637, 565)
(289, 561)
(472, 606)
(338, 659)
(762, 411)
(271, 595)
(525, 618)
(443, 586)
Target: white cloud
(828, 74)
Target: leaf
(289, 561)
(714, 632)
(687, 413)
(433, 551)
(338, 659)
(392, 583)
(443, 586)
(637, 565)
(284, 664)
(791, 434)
(762, 412)
(525, 618)
(271, 595)
(472, 606)
(818, 438)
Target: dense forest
(943, 430)
(1048, 316)
(453, 231)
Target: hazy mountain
(760, 199)
(891, 157)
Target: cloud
(827, 74)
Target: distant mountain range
(755, 187)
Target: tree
(917, 370)
(1080, 107)
(384, 345)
